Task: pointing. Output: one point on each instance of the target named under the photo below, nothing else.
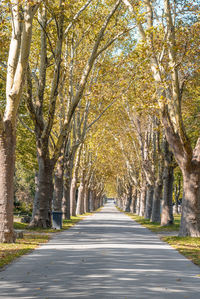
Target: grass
(33, 237)
(19, 225)
(9, 252)
(188, 246)
(66, 225)
(156, 227)
(71, 222)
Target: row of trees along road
(106, 98)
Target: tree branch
(83, 81)
(26, 126)
(76, 16)
(100, 115)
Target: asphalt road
(107, 255)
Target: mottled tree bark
(66, 199)
(134, 201)
(177, 191)
(143, 199)
(138, 203)
(35, 202)
(66, 209)
(73, 196)
(74, 183)
(190, 220)
(149, 201)
(91, 202)
(95, 200)
(157, 195)
(86, 199)
(168, 177)
(7, 163)
(167, 205)
(58, 186)
(44, 194)
(128, 199)
(80, 200)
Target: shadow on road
(107, 255)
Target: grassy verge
(66, 225)
(188, 246)
(32, 238)
(156, 227)
(9, 252)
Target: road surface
(107, 255)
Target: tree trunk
(66, 206)
(168, 179)
(134, 201)
(73, 197)
(44, 194)
(74, 182)
(91, 206)
(149, 201)
(138, 203)
(58, 186)
(177, 191)
(98, 199)
(66, 200)
(129, 199)
(80, 201)
(142, 200)
(167, 206)
(16, 67)
(176, 206)
(101, 201)
(123, 202)
(35, 202)
(190, 220)
(7, 163)
(86, 199)
(94, 199)
(155, 215)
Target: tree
(168, 180)
(165, 65)
(21, 17)
(44, 128)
